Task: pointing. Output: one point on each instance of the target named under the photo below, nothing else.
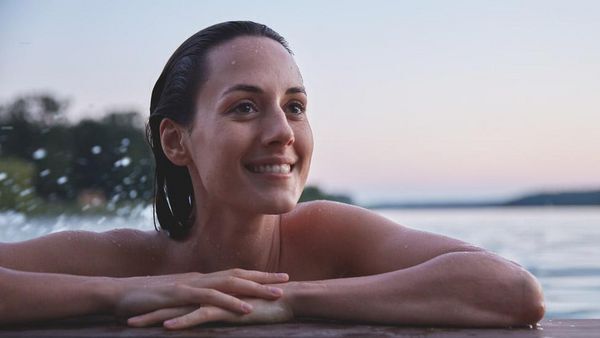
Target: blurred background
(476, 119)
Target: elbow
(517, 299)
(529, 307)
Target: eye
(295, 108)
(244, 108)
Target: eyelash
(235, 109)
(299, 105)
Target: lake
(560, 246)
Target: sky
(408, 100)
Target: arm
(32, 296)
(29, 296)
(56, 276)
(470, 289)
(455, 289)
(390, 274)
(412, 277)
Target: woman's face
(251, 143)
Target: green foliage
(312, 193)
(108, 157)
(16, 185)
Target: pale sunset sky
(408, 100)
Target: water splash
(96, 150)
(26, 192)
(39, 154)
(124, 162)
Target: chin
(274, 206)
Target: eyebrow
(258, 90)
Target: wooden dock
(106, 327)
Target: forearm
(28, 296)
(455, 289)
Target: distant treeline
(97, 163)
(311, 193)
(45, 158)
(559, 198)
(567, 198)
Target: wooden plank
(106, 327)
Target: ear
(171, 140)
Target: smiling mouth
(271, 168)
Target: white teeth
(272, 168)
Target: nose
(277, 129)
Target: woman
(233, 145)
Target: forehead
(251, 60)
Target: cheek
(222, 154)
(304, 139)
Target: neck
(224, 238)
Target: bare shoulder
(119, 252)
(314, 240)
(334, 219)
(362, 242)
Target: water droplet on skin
(39, 154)
(233, 62)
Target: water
(560, 246)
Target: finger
(159, 316)
(259, 276)
(202, 315)
(242, 287)
(191, 295)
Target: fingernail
(246, 307)
(276, 291)
(283, 275)
(171, 322)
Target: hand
(264, 311)
(139, 295)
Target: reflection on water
(560, 246)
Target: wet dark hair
(173, 97)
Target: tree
(108, 156)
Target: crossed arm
(438, 281)
(406, 277)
